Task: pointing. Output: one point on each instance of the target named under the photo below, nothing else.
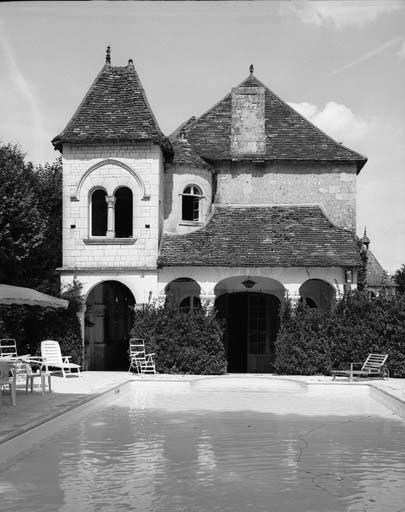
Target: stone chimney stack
(248, 122)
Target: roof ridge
(145, 99)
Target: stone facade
(331, 185)
(110, 166)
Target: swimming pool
(164, 447)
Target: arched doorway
(108, 322)
(185, 292)
(319, 294)
(252, 323)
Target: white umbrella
(18, 295)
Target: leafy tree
(399, 278)
(47, 256)
(21, 223)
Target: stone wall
(86, 167)
(248, 135)
(331, 185)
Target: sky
(340, 64)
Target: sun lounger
(52, 358)
(374, 366)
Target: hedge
(183, 342)
(313, 342)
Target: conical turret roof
(114, 109)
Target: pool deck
(33, 409)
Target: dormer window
(191, 203)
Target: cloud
(24, 89)
(369, 55)
(401, 51)
(340, 14)
(337, 120)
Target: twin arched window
(191, 203)
(112, 216)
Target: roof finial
(251, 69)
(108, 56)
(365, 239)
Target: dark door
(252, 323)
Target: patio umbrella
(17, 295)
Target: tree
(47, 256)
(21, 223)
(399, 278)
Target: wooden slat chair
(139, 361)
(374, 366)
(52, 358)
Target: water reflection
(161, 453)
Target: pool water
(210, 450)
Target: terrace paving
(33, 409)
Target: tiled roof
(289, 135)
(114, 109)
(185, 155)
(286, 236)
(375, 274)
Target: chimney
(248, 122)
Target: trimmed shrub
(182, 342)
(311, 342)
(303, 346)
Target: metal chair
(139, 361)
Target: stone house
(239, 208)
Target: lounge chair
(138, 359)
(374, 366)
(52, 358)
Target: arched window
(190, 207)
(123, 213)
(99, 213)
(190, 304)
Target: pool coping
(22, 438)
(25, 437)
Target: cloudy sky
(341, 64)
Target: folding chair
(139, 361)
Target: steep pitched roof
(185, 155)
(289, 136)
(114, 109)
(263, 236)
(375, 274)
